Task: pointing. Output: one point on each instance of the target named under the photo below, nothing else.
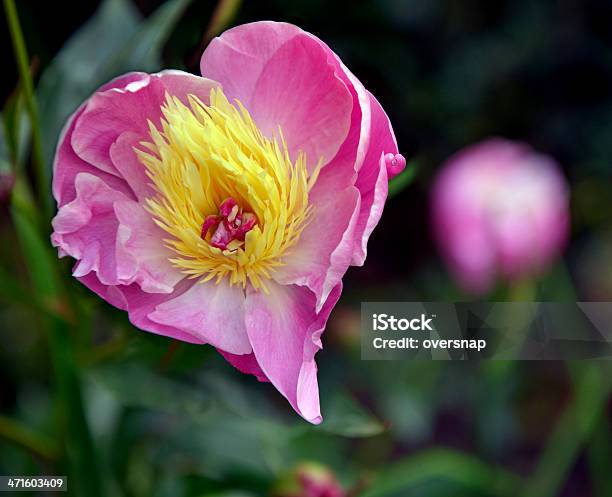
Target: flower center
(231, 226)
(232, 200)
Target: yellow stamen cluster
(204, 154)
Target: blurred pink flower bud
(309, 480)
(499, 211)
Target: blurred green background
(127, 413)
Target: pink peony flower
(499, 210)
(225, 209)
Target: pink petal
(370, 135)
(382, 137)
(287, 79)
(212, 312)
(67, 165)
(86, 228)
(372, 180)
(325, 248)
(246, 363)
(127, 110)
(351, 155)
(97, 176)
(341, 171)
(182, 84)
(140, 305)
(244, 50)
(111, 235)
(127, 165)
(109, 113)
(106, 292)
(141, 255)
(123, 81)
(285, 333)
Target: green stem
(574, 428)
(21, 56)
(223, 14)
(77, 443)
(22, 436)
(522, 291)
(403, 180)
(83, 463)
(600, 459)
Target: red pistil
(231, 224)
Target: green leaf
(41, 263)
(600, 458)
(344, 416)
(5, 146)
(77, 70)
(12, 292)
(235, 396)
(462, 469)
(15, 133)
(136, 386)
(42, 266)
(23, 436)
(26, 88)
(142, 52)
(114, 41)
(216, 424)
(592, 385)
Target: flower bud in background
(499, 211)
(309, 479)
